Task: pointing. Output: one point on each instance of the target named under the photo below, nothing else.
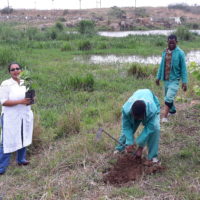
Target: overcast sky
(75, 4)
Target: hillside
(113, 19)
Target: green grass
(68, 162)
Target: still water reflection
(152, 32)
(192, 56)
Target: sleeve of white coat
(128, 129)
(4, 93)
(149, 128)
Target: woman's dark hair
(13, 63)
(139, 109)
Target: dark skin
(15, 76)
(172, 45)
(130, 148)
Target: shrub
(7, 10)
(61, 19)
(59, 26)
(86, 27)
(68, 124)
(65, 12)
(85, 45)
(141, 12)
(116, 12)
(31, 33)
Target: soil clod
(128, 168)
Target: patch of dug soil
(127, 168)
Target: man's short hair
(139, 109)
(171, 37)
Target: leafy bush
(142, 71)
(86, 27)
(85, 45)
(59, 26)
(7, 10)
(116, 12)
(61, 19)
(65, 12)
(141, 12)
(180, 6)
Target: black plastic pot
(30, 94)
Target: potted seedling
(28, 83)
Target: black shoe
(24, 163)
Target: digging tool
(99, 134)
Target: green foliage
(194, 69)
(7, 10)
(86, 27)
(66, 47)
(180, 6)
(7, 55)
(59, 26)
(27, 77)
(85, 45)
(141, 12)
(68, 124)
(116, 12)
(129, 192)
(185, 7)
(85, 83)
(142, 71)
(65, 12)
(183, 33)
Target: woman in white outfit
(16, 119)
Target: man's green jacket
(178, 66)
(129, 124)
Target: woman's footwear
(24, 163)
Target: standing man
(143, 106)
(172, 69)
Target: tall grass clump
(183, 33)
(7, 55)
(86, 27)
(85, 45)
(68, 124)
(85, 83)
(142, 71)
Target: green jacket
(178, 66)
(130, 125)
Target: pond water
(151, 32)
(192, 56)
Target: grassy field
(74, 100)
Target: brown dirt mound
(127, 168)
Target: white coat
(17, 121)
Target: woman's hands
(25, 101)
